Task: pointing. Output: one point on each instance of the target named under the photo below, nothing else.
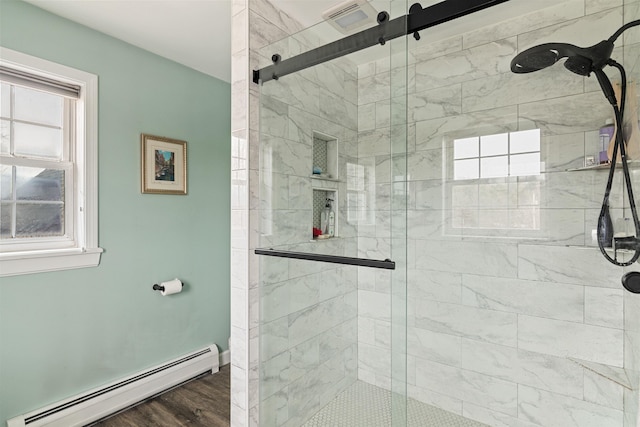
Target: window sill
(13, 264)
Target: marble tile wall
(502, 316)
(307, 351)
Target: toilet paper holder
(157, 287)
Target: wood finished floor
(203, 402)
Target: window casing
(48, 165)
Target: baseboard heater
(103, 401)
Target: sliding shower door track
(386, 264)
(418, 19)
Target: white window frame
(85, 251)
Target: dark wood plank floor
(203, 402)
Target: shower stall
(421, 223)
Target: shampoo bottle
(606, 134)
(332, 221)
(325, 217)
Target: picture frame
(164, 165)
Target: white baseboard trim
(225, 357)
(103, 401)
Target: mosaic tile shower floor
(365, 405)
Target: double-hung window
(48, 166)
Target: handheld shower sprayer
(584, 61)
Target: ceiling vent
(351, 15)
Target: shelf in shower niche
(632, 164)
(324, 178)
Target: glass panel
(39, 184)
(494, 167)
(39, 220)
(37, 141)
(5, 136)
(317, 320)
(488, 255)
(5, 100)
(465, 148)
(525, 141)
(494, 145)
(525, 164)
(466, 169)
(6, 180)
(38, 107)
(5, 220)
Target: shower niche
(324, 184)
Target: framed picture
(164, 165)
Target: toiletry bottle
(332, 221)
(606, 134)
(324, 217)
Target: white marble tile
(493, 418)
(262, 32)
(603, 391)
(467, 322)
(561, 12)
(367, 116)
(274, 338)
(374, 305)
(373, 358)
(491, 259)
(542, 299)
(374, 142)
(569, 339)
(538, 370)
(448, 403)
(425, 164)
(509, 89)
(469, 64)
(550, 409)
(434, 346)
(238, 347)
(432, 134)
(435, 103)
(374, 88)
(239, 415)
(420, 51)
(274, 374)
(469, 386)
(566, 114)
(594, 6)
(549, 264)
(604, 307)
(434, 285)
(276, 16)
(584, 31)
(562, 152)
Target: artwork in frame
(164, 165)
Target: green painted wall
(65, 332)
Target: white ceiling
(197, 33)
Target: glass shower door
(332, 201)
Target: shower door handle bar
(408, 24)
(386, 264)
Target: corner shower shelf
(634, 164)
(324, 178)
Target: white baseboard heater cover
(101, 402)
